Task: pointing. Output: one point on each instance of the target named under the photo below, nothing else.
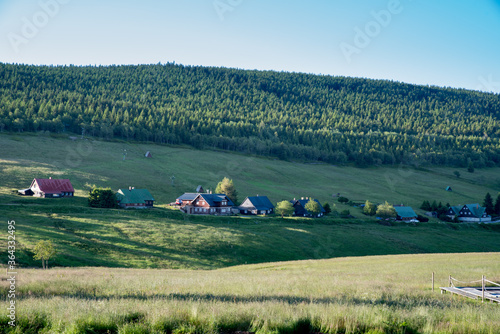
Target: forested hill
(285, 115)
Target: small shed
(449, 188)
(148, 154)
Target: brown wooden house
(205, 204)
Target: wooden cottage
(473, 213)
(256, 205)
(49, 188)
(405, 213)
(205, 204)
(132, 198)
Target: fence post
(482, 280)
(432, 281)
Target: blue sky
(443, 43)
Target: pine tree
(488, 204)
(497, 205)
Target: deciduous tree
(284, 208)
(226, 186)
(44, 250)
(313, 207)
(386, 210)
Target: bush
(345, 214)
(342, 199)
(102, 198)
(422, 219)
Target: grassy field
(164, 238)
(387, 294)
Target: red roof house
(52, 188)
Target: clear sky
(432, 42)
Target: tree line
(290, 116)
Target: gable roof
(54, 186)
(405, 212)
(131, 196)
(476, 209)
(188, 196)
(213, 199)
(261, 203)
(455, 209)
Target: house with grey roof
(132, 198)
(205, 204)
(473, 213)
(256, 205)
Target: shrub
(342, 199)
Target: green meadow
(165, 238)
(383, 294)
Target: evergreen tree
(426, 206)
(488, 204)
(497, 205)
(470, 166)
(327, 208)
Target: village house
(132, 198)
(405, 213)
(256, 205)
(299, 206)
(49, 188)
(473, 213)
(205, 204)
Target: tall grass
(389, 294)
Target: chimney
(294, 199)
(50, 178)
(302, 198)
(129, 188)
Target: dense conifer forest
(289, 116)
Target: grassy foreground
(388, 294)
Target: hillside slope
(290, 116)
(165, 238)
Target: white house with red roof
(50, 188)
